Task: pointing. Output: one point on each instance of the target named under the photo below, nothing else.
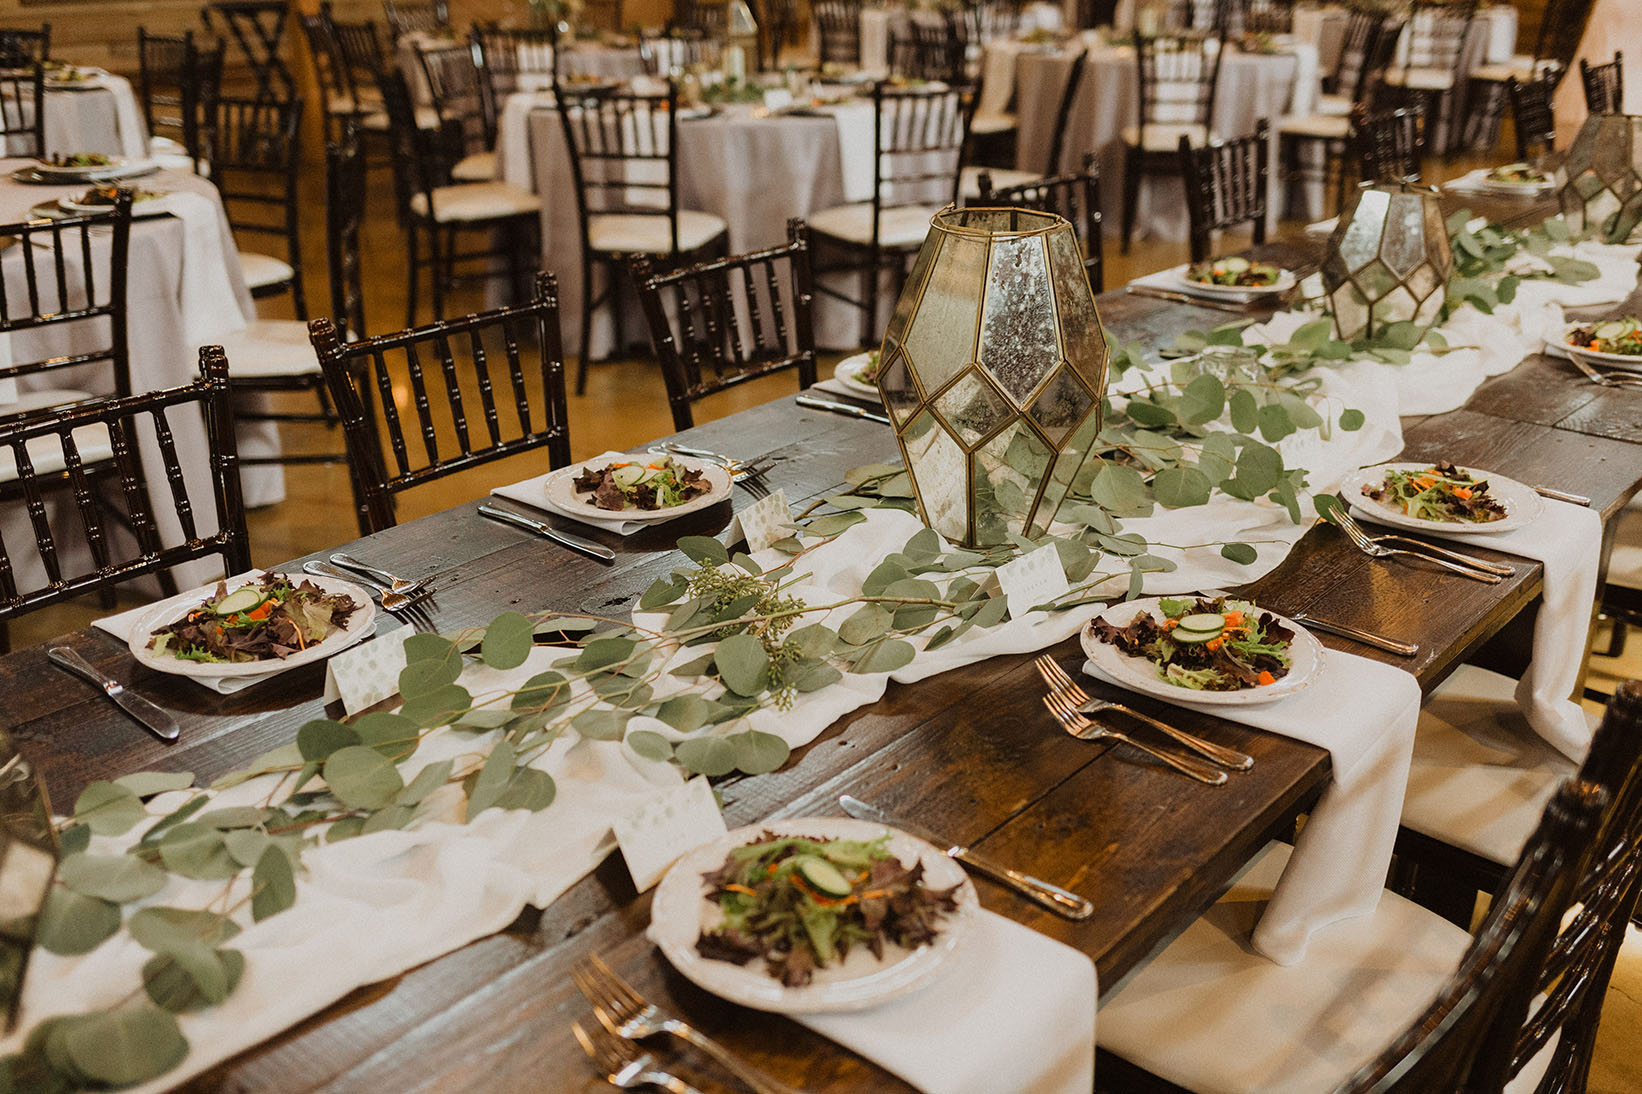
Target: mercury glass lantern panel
(994, 372)
(1600, 180)
(1388, 260)
(28, 861)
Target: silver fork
(624, 1064)
(380, 576)
(1377, 547)
(1062, 684)
(391, 601)
(1606, 379)
(1066, 713)
(755, 467)
(626, 1013)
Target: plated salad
(1234, 272)
(869, 375)
(635, 484)
(79, 160)
(1441, 492)
(1621, 336)
(1208, 644)
(267, 620)
(1520, 174)
(104, 197)
(802, 904)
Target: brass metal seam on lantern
(1599, 184)
(1388, 260)
(994, 372)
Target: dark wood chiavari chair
(736, 319)
(255, 157)
(928, 50)
(677, 49)
(1604, 85)
(1389, 145)
(177, 81)
(446, 366)
(1560, 25)
(1177, 84)
(777, 29)
(414, 18)
(23, 111)
(512, 60)
(1531, 116)
(838, 31)
(968, 182)
(1075, 198)
(455, 89)
(624, 159)
(1436, 42)
(258, 28)
(41, 453)
(341, 107)
(918, 138)
(21, 47)
(1226, 186)
(702, 17)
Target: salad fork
(391, 601)
(1066, 713)
(628, 1015)
(1381, 547)
(1606, 379)
(624, 1064)
(1064, 685)
(381, 577)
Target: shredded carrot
(1234, 618)
(1463, 493)
(1170, 624)
(1216, 643)
(734, 888)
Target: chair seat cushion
(1319, 126)
(993, 123)
(270, 347)
(969, 180)
(1334, 104)
(900, 226)
(467, 202)
(479, 167)
(29, 401)
(1625, 565)
(636, 233)
(92, 442)
(1480, 776)
(1421, 79)
(1165, 136)
(262, 270)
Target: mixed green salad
(869, 375)
(1235, 272)
(1522, 174)
(802, 904)
(79, 159)
(267, 620)
(1441, 492)
(67, 74)
(1208, 644)
(657, 484)
(108, 195)
(1610, 336)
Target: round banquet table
(98, 115)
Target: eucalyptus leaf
(743, 665)
(884, 656)
(197, 851)
(546, 691)
(145, 784)
(711, 756)
(601, 653)
(757, 753)
(236, 816)
(651, 746)
(814, 640)
(810, 675)
(685, 713)
(991, 613)
(118, 878)
(868, 622)
(1245, 411)
(72, 923)
(507, 641)
(663, 591)
(427, 780)
(362, 778)
(126, 1046)
(704, 549)
(1352, 420)
(601, 725)
(177, 816)
(108, 808)
(492, 779)
(834, 523)
(321, 737)
(172, 985)
(346, 828)
(529, 789)
(1240, 553)
(73, 839)
(431, 647)
(885, 574)
(246, 845)
(1179, 487)
(437, 708)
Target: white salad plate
(69, 205)
(563, 497)
(1140, 674)
(849, 372)
(1628, 361)
(115, 166)
(681, 911)
(1285, 282)
(359, 626)
(1522, 504)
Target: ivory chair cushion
(1320, 126)
(1165, 136)
(899, 226)
(1481, 776)
(479, 167)
(1421, 79)
(969, 180)
(1334, 104)
(262, 270)
(467, 202)
(46, 453)
(1520, 67)
(1213, 1016)
(985, 124)
(270, 347)
(636, 233)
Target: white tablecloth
(100, 115)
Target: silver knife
(1559, 495)
(1367, 638)
(842, 408)
(542, 528)
(1185, 298)
(155, 720)
(1053, 897)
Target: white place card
(1033, 579)
(763, 522)
(672, 824)
(777, 98)
(368, 673)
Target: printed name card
(675, 823)
(1033, 579)
(763, 522)
(368, 673)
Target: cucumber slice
(1192, 638)
(1234, 264)
(628, 475)
(243, 599)
(1607, 330)
(651, 474)
(824, 877)
(1203, 623)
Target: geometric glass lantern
(1388, 260)
(1600, 181)
(28, 861)
(994, 372)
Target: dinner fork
(624, 1064)
(626, 1013)
(1062, 684)
(1381, 547)
(391, 601)
(380, 576)
(1606, 379)
(1066, 713)
(748, 474)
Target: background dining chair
(507, 361)
(838, 31)
(44, 452)
(255, 156)
(1225, 186)
(919, 134)
(624, 160)
(777, 29)
(733, 320)
(1604, 85)
(1436, 46)
(1004, 177)
(511, 60)
(335, 87)
(703, 18)
(1177, 85)
(1389, 145)
(1076, 198)
(1561, 25)
(416, 18)
(23, 46)
(928, 49)
(257, 27)
(177, 81)
(23, 111)
(1531, 116)
(454, 88)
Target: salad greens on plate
(802, 904)
(267, 620)
(1207, 644)
(1441, 492)
(658, 483)
(1521, 174)
(1234, 272)
(1618, 336)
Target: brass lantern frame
(1599, 183)
(1388, 260)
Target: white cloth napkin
(1364, 713)
(855, 147)
(208, 305)
(1567, 540)
(127, 119)
(1307, 83)
(1012, 1010)
(513, 143)
(834, 386)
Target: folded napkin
(210, 309)
(1322, 227)
(1364, 713)
(1567, 540)
(1012, 1010)
(855, 147)
(834, 386)
(533, 492)
(127, 120)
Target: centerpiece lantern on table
(1388, 260)
(994, 372)
(741, 34)
(28, 862)
(1600, 181)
